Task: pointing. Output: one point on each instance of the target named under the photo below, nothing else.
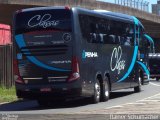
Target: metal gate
(6, 66)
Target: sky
(150, 2)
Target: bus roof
(42, 8)
(120, 16)
(112, 15)
(125, 16)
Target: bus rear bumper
(48, 91)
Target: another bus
(147, 48)
(154, 65)
(63, 52)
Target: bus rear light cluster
(17, 77)
(45, 89)
(67, 7)
(75, 70)
(73, 76)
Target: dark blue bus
(62, 53)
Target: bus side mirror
(150, 43)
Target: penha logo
(116, 62)
(42, 21)
(89, 54)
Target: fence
(137, 4)
(6, 66)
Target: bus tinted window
(93, 29)
(43, 20)
(96, 30)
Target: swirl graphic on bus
(116, 62)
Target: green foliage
(7, 95)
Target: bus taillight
(75, 70)
(67, 7)
(17, 77)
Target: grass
(7, 95)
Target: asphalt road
(76, 106)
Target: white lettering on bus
(42, 21)
(116, 56)
(91, 54)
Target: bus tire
(97, 92)
(105, 93)
(138, 88)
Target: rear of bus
(44, 64)
(154, 65)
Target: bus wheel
(138, 88)
(105, 90)
(97, 92)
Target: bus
(63, 53)
(147, 48)
(145, 43)
(154, 65)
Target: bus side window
(112, 39)
(84, 26)
(127, 41)
(92, 37)
(97, 29)
(127, 37)
(117, 39)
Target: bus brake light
(17, 77)
(75, 70)
(67, 7)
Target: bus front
(44, 65)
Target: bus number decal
(42, 21)
(116, 62)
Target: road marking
(149, 97)
(151, 100)
(154, 84)
(117, 106)
(122, 105)
(137, 103)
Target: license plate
(45, 89)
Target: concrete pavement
(147, 108)
(150, 105)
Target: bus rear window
(39, 20)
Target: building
(156, 8)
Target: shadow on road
(26, 105)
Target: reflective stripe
(144, 68)
(150, 39)
(131, 65)
(21, 43)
